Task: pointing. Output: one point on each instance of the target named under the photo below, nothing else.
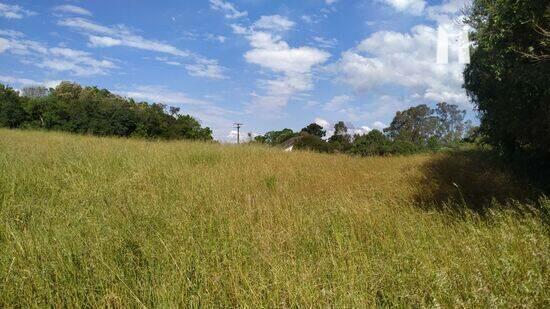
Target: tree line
(89, 110)
(508, 79)
(414, 130)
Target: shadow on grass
(470, 179)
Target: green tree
(90, 110)
(12, 114)
(34, 92)
(508, 76)
(374, 143)
(416, 125)
(277, 137)
(451, 125)
(312, 142)
(315, 129)
(340, 140)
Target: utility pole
(238, 126)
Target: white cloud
(293, 66)
(102, 36)
(73, 9)
(322, 122)
(103, 41)
(219, 38)
(361, 130)
(325, 43)
(379, 125)
(11, 33)
(414, 7)
(329, 2)
(206, 68)
(448, 12)
(272, 53)
(156, 94)
(208, 113)
(337, 103)
(403, 59)
(14, 11)
(24, 82)
(274, 23)
(228, 8)
(57, 58)
(75, 61)
(4, 45)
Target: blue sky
(267, 64)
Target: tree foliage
(315, 129)
(340, 140)
(508, 77)
(90, 110)
(275, 137)
(416, 129)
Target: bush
(307, 141)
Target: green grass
(104, 222)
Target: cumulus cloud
(447, 12)
(361, 130)
(228, 8)
(403, 59)
(14, 11)
(72, 9)
(292, 65)
(322, 122)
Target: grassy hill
(113, 222)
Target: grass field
(105, 222)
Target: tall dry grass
(115, 223)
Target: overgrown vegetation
(417, 129)
(108, 222)
(508, 79)
(89, 110)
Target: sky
(264, 63)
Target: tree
(340, 140)
(340, 128)
(34, 92)
(416, 124)
(451, 123)
(90, 110)
(315, 129)
(12, 113)
(312, 142)
(276, 137)
(507, 78)
(374, 143)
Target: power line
(238, 126)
